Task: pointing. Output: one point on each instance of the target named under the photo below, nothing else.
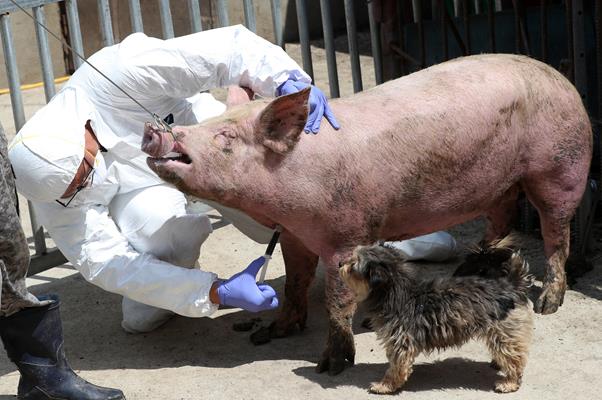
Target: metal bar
(106, 27)
(166, 20)
(450, 22)
(277, 23)
(457, 8)
(375, 42)
(544, 30)
(249, 15)
(477, 7)
(466, 17)
(569, 35)
(44, 52)
(403, 54)
(16, 99)
(356, 71)
(194, 10)
(12, 72)
(401, 19)
(579, 62)
(522, 43)
(136, 16)
(491, 23)
(417, 14)
(443, 13)
(304, 36)
(75, 33)
(598, 25)
(8, 6)
(222, 13)
(517, 45)
(331, 59)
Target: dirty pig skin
(414, 155)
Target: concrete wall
(27, 53)
(120, 13)
(26, 49)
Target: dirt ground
(205, 359)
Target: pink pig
(414, 155)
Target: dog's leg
(340, 304)
(400, 368)
(508, 342)
(300, 265)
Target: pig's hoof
(550, 299)
(246, 326)
(280, 330)
(333, 365)
(336, 358)
(261, 336)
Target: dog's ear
(377, 274)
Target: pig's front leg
(300, 265)
(341, 305)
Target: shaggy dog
(412, 315)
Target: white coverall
(131, 233)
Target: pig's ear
(283, 120)
(238, 95)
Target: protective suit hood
(49, 149)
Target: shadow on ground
(467, 374)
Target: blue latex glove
(318, 105)
(242, 291)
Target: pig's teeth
(172, 154)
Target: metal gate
(399, 45)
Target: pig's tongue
(157, 143)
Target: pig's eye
(224, 139)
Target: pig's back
(459, 133)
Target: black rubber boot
(33, 339)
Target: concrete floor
(206, 359)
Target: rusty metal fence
(405, 36)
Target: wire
(156, 118)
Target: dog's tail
(497, 260)
(518, 272)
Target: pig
(414, 155)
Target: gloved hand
(318, 105)
(242, 291)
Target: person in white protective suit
(79, 161)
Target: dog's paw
(381, 388)
(506, 386)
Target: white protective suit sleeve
(91, 241)
(186, 65)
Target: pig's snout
(156, 142)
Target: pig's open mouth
(167, 166)
(183, 158)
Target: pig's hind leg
(556, 202)
(341, 305)
(300, 265)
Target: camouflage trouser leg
(14, 252)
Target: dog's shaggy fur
(412, 315)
